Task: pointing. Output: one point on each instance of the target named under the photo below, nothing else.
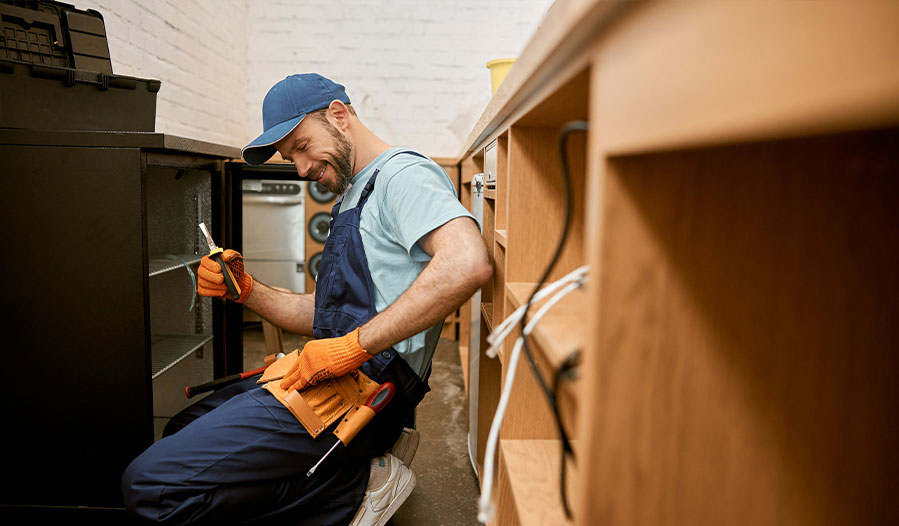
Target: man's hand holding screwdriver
(211, 281)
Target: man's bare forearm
(290, 311)
(459, 267)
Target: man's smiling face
(320, 152)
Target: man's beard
(341, 161)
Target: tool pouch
(353, 422)
(320, 405)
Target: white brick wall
(197, 48)
(414, 69)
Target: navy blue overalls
(243, 456)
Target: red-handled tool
(221, 382)
(377, 401)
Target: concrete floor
(447, 490)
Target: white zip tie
(495, 339)
(485, 503)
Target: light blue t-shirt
(412, 196)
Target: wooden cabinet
(736, 200)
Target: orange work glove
(323, 359)
(210, 281)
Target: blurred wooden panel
(684, 74)
(749, 319)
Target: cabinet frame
(673, 91)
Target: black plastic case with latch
(56, 73)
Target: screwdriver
(373, 405)
(215, 254)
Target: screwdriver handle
(359, 417)
(377, 401)
(379, 398)
(230, 284)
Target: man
(401, 255)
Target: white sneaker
(406, 445)
(389, 485)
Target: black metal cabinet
(99, 335)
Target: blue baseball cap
(285, 106)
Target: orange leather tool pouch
(321, 405)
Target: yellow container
(498, 69)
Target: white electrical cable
(505, 328)
(485, 503)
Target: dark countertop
(115, 139)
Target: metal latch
(477, 183)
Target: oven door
(274, 232)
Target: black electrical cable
(565, 369)
(566, 130)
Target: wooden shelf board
(563, 329)
(532, 469)
(500, 237)
(490, 193)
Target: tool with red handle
(221, 382)
(377, 401)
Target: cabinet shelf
(490, 193)
(562, 330)
(500, 236)
(531, 476)
(161, 264)
(169, 349)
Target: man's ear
(339, 115)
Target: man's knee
(142, 487)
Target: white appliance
(474, 351)
(274, 232)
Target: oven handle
(273, 199)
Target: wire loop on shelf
(485, 506)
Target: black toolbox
(54, 34)
(56, 73)
(34, 97)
